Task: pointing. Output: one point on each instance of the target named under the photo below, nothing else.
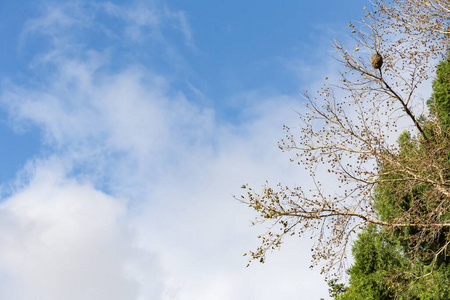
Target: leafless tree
(349, 130)
(422, 19)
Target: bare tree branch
(348, 133)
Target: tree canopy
(385, 266)
(395, 193)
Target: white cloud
(179, 168)
(62, 239)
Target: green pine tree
(383, 268)
(439, 103)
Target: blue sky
(127, 126)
